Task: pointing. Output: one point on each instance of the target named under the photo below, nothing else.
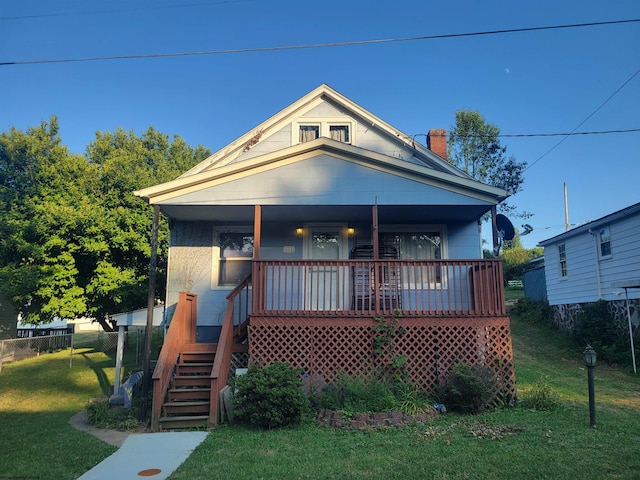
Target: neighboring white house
(599, 260)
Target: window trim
(562, 260)
(324, 124)
(601, 243)
(444, 251)
(217, 253)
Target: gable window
(308, 133)
(604, 238)
(236, 254)
(341, 130)
(562, 259)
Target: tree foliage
(74, 240)
(474, 146)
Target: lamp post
(590, 356)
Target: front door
(327, 284)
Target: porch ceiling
(387, 214)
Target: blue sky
(535, 82)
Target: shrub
(270, 397)
(541, 396)
(539, 313)
(103, 415)
(596, 326)
(469, 388)
(356, 395)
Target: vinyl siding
(583, 262)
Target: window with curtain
(308, 133)
(339, 133)
(417, 246)
(236, 254)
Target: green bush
(539, 313)
(356, 395)
(596, 326)
(541, 396)
(103, 415)
(469, 388)
(270, 397)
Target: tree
(474, 146)
(75, 241)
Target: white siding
(585, 268)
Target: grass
(507, 443)
(38, 396)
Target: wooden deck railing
(378, 287)
(181, 332)
(235, 315)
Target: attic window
(341, 130)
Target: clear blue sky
(535, 82)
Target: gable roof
(322, 93)
(612, 217)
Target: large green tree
(75, 241)
(474, 146)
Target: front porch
(320, 316)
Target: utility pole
(566, 209)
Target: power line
(321, 45)
(584, 121)
(525, 135)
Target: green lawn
(38, 396)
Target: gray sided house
(291, 242)
(595, 261)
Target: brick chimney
(437, 141)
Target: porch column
(257, 222)
(374, 233)
(494, 229)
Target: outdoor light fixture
(351, 231)
(590, 357)
(299, 232)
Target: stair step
(185, 408)
(174, 423)
(193, 368)
(186, 381)
(188, 357)
(186, 394)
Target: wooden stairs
(187, 401)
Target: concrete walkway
(141, 455)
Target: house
(291, 242)
(599, 260)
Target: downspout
(595, 239)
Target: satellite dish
(505, 227)
(505, 232)
(527, 229)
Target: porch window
(417, 246)
(562, 259)
(605, 242)
(236, 254)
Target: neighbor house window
(605, 241)
(338, 129)
(236, 254)
(562, 259)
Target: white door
(327, 285)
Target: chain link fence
(22, 348)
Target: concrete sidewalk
(148, 455)
(152, 455)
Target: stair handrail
(181, 331)
(222, 361)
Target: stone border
(363, 421)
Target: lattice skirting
(322, 347)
